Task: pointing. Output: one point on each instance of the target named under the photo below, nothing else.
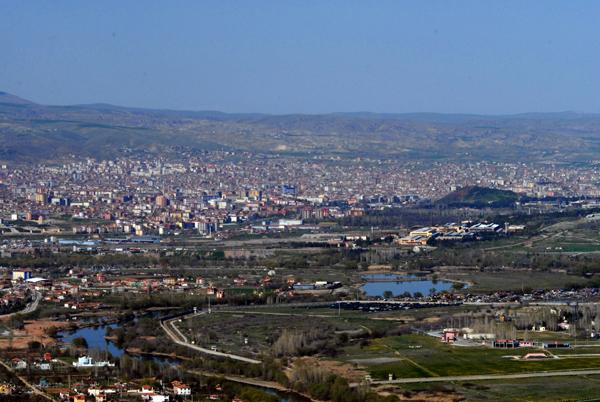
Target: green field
(262, 328)
(585, 388)
(437, 359)
(483, 282)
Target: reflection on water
(94, 337)
(424, 287)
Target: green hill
(474, 196)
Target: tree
(388, 294)
(80, 342)
(34, 346)
(51, 332)
(17, 321)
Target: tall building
(161, 200)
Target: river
(94, 337)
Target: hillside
(33, 131)
(479, 197)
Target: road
(30, 308)
(29, 385)
(243, 380)
(177, 337)
(483, 377)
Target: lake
(397, 288)
(95, 339)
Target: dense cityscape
(283, 201)
(207, 191)
(88, 244)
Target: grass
(261, 330)
(351, 317)
(536, 389)
(544, 389)
(492, 281)
(437, 359)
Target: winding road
(177, 337)
(30, 308)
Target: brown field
(33, 331)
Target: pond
(94, 337)
(398, 288)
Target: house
(424, 232)
(147, 389)
(19, 364)
(95, 391)
(21, 274)
(5, 389)
(413, 240)
(475, 336)
(555, 345)
(63, 393)
(87, 361)
(506, 343)
(180, 388)
(449, 335)
(155, 397)
(79, 398)
(526, 344)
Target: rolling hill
(32, 131)
(475, 196)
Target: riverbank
(33, 331)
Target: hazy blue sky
(305, 56)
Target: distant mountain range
(30, 131)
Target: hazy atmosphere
(299, 201)
(306, 56)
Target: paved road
(242, 380)
(482, 377)
(33, 388)
(30, 308)
(177, 337)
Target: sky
(486, 57)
